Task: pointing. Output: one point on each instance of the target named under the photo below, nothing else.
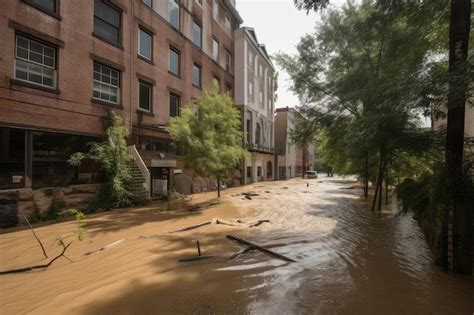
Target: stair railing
(142, 167)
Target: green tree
(209, 135)
(302, 135)
(114, 159)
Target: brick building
(65, 64)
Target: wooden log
(243, 251)
(195, 258)
(190, 227)
(224, 222)
(258, 222)
(105, 247)
(260, 248)
(29, 268)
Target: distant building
(290, 158)
(254, 96)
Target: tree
(302, 135)
(209, 136)
(114, 159)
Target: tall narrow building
(254, 96)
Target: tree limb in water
(33, 230)
(260, 248)
(65, 247)
(105, 247)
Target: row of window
(36, 63)
(250, 64)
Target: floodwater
(349, 260)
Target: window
(215, 10)
(269, 83)
(259, 171)
(249, 171)
(260, 97)
(106, 83)
(260, 70)
(107, 22)
(218, 82)
(197, 34)
(35, 62)
(148, 2)
(249, 123)
(174, 13)
(228, 61)
(45, 5)
(250, 60)
(215, 50)
(145, 44)
(174, 105)
(250, 91)
(197, 75)
(174, 61)
(257, 134)
(227, 24)
(145, 91)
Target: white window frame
(105, 84)
(250, 61)
(28, 64)
(215, 50)
(228, 61)
(215, 10)
(200, 34)
(227, 23)
(250, 90)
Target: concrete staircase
(140, 182)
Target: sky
(279, 25)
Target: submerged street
(349, 260)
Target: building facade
(284, 123)
(254, 96)
(65, 64)
(292, 160)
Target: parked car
(311, 174)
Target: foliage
(114, 159)
(208, 135)
(81, 223)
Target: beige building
(254, 96)
(287, 151)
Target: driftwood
(243, 251)
(224, 222)
(198, 257)
(248, 197)
(65, 247)
(33, 230)
(105, 247)
(190, 227)
(260, 248)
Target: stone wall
(15, 203)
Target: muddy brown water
(349, 260)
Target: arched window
(258, 132)
(269, 169)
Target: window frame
(200, 33)
(215, 10)
(120, 27)
(178, 103)
(150, 96)
(151, 3)
(215, 41)
(146, 31)
(250, 91)
(227, 26)
(250, 61)
(119, 86)
(55, 13)
(178, 53)
(228, 66)
(28, 61)
(179, 14)
(197, 66)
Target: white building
(254, 95)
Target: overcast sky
(279, 25)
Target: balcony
(253, 147)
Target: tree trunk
(218, 187)
(386, 185)
(460, 237)
(304, 160)
(366, 179)
(379, 178)
(381, 188)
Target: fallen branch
(243, 251)
(33, 230)
(105, 247)
(65, 247)
(198, 257)
(257, 223)
(224, 222)
(190, 227)
(260, 248)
